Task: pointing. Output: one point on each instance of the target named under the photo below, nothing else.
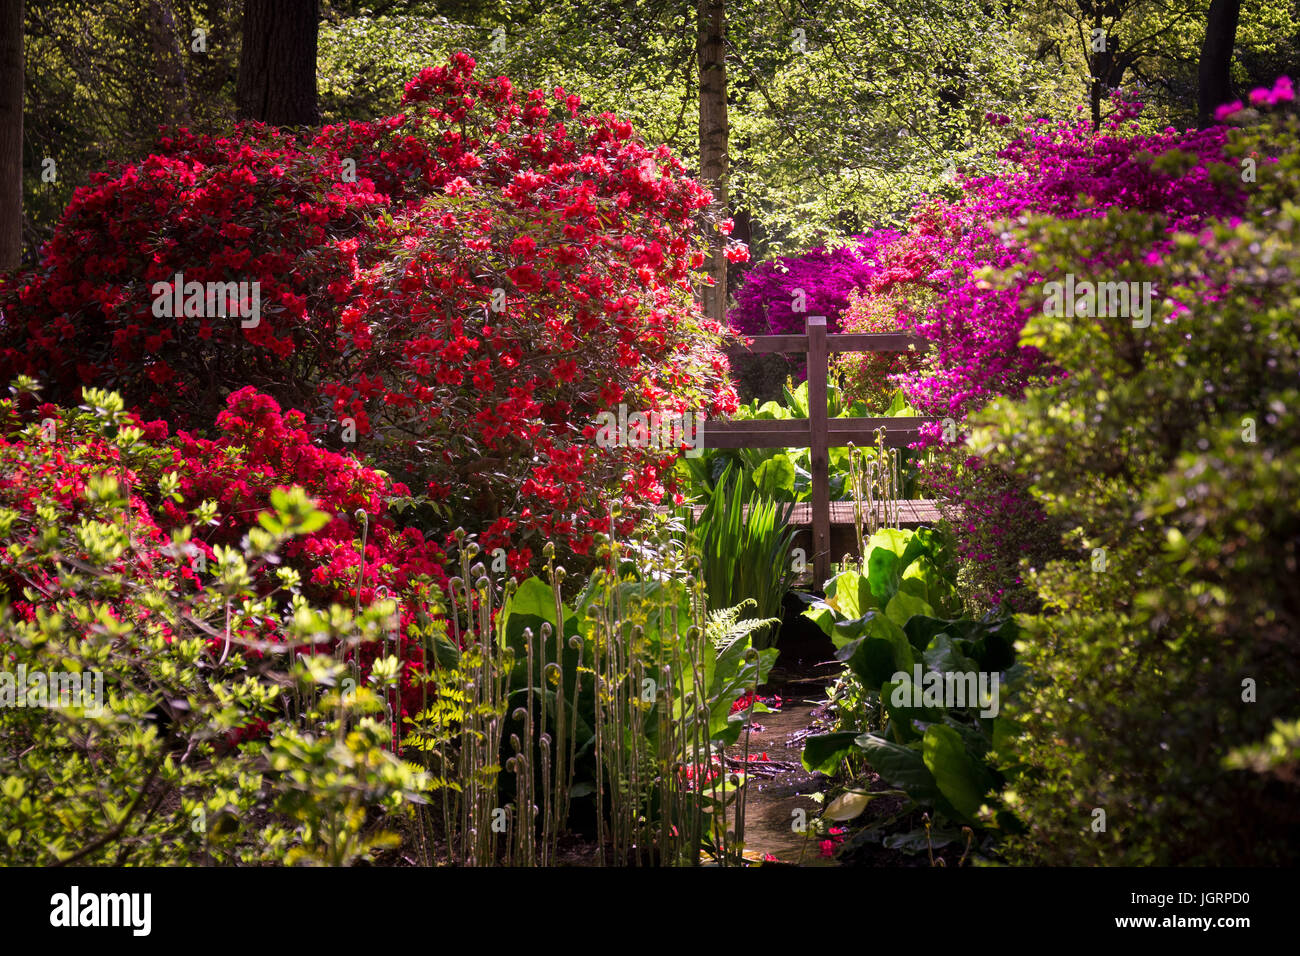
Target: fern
(726, 626)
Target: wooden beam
(877, 342)
(899, 432)
(796, 433)
(764, 344)
(768, 433)
(818, 369)
(912, 512)
(845, 342)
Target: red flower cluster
(258, 449)
(836, 837)
(744, 700)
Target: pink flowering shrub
(777, 294)
(934, 279)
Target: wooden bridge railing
(818, 432)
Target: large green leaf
(883, 574)
(923, 579)
(932, 544)
(896, 540)
(824, 752)
(771, 410)
(900, 766)
(903, 607)
(775, 477)
(921, 630)
(848, 596)
(903, 708)
(959, 777)
(945, 655)
(531, 606)
(724, 726)
(879, 653)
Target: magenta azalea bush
(934, 277)
(778, 293)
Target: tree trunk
(277, 65)
(711, 54)
(11, 134)
(171, 63)
(1215, 80)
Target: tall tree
(277, 67)
(11, 133)
(166, 51)
(714, 131)
(1214, 86)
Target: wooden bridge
(818, 432)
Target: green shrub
(185, 748)
(1171, 454)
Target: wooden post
(818, 370)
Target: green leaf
(883, 573)
(901, 715)
(532, 605)
(903, 606)
(900, 766)
(850, 595)
(923, 579)
(960, 778)
(921, 629)
(877, 656)
(944, 655)
(775, 477)
(823, 753)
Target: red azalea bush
(460, 289)
(257, 450)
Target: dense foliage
(933, 280)
(188, 754)
(920, 702)
(456, 291)
(1169, 454)
(262, 698)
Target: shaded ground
(779, 786)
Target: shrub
(934, 278)
(191, 755)
(1170, 453)
(777, 294)
(217, 487)
(498, 269)
(870, 377)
